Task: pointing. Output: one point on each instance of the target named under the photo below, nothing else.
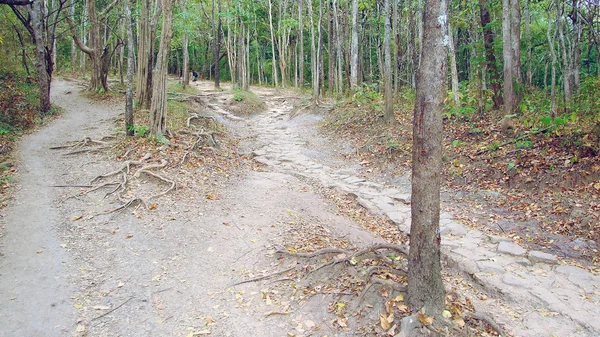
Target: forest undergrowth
(534, 178)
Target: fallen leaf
(39, 251)
(425, 320)
(152, 207)
(77, 217)
(383, 320)
(80, 328)
(128, 236)
(460, 322)
(101, 307)
(309, 324)
(446, 314)
(77, 306)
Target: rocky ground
(216, 256)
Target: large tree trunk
(425, 286)
(490, 56)
(387, 71)
(338, 47)
(313, 51)
(354, 47)
(129, 123)
(554, 60)
(158, 107)
(145, 61)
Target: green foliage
(494, 146)
(139, 130)
(457, 143)
(238, 95)
(523, 144)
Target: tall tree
(145, 59)
(511, 32)
(490, 56)
(129, 123)
(275, 80)
(97, 51)
(354, 47)
(158, 107)
(387, 71)
(425, 286)
(217, 44)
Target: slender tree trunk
(509, 90)
(73, 46)
(275, 80)
(554, 61)
(129, 123)
(425, 286)
(301, 45)
(320, 67)
(338, 46)
(529, 44)
(144, 65)
(313, 51)
(387, 71)
(396, 49)
(567, 69)
(217, 48)
(453, 67)
(354, 47)
(515, 39)
(186, 61)
(158, 108)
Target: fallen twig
(112, 310)
(260, 278)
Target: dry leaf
(460, 322)
(446, 314)
(425, 320)
(309, 324)
(385, 324)
(80, 328)
(77, 306)
(101, 307)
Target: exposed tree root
(82, 143)
(260, 278)
(124, 169)
(209, 136)
(196, 116)
(490, 321)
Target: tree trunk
(36, 15)
(529, 44)
(129, 123)
(186, 61)
(425, 286)
(554, 61)
(217, 47)
(158, 107)
(301, 46)
(275, 80)
(453, 67)
(313, 50)
(509, 89)
(490, 56)
(515, 39)
(387, 71)
(338, 46)
(73, 46)
(354, 47)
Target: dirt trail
(69, 270)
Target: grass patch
(246, 103)
(175, 86)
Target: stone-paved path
(529, 293)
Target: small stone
(524, 262)
(541, 257)
(455, 228)
(510, 248)
(490, 267)
(404, 198)
(572, 270)
(496, 239)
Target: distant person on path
(194, 75)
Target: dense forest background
(522, 92)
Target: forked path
(69, 269)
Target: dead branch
(112, 310)
(93, 149)
(260, 278)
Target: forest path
(528, 292)
(69, 269)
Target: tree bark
(129, 123)
(217, 48)
(425, 286)
(158, 107)
(354, 47)
(490, 56)
(301, 46)
(36, 14)
(554, 61)
(510, 95)
(186, 61)
(275, 80)
(387, 71)
(453, 67)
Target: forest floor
(205, 234)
